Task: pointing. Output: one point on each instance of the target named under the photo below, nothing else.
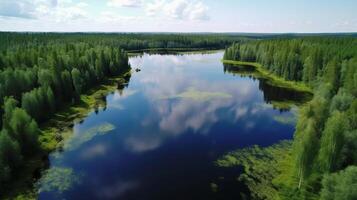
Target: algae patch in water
(87, 135)
(196, 95)
(260, 167)
(290, 120)
(58, 179)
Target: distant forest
(127, 41)
(324, 154)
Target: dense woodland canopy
(324, 153)
(38, 80)
(127, 41)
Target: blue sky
(179, 15)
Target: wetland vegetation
(324, 146)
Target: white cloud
(178, 9)
(67, 12)
(94, 151)
(124, 3)
(142, 143)
(20, 9)
(49, 10)
(116, 190)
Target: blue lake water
(159, 137)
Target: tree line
(127, 41)
(324, 149)
(36, 81)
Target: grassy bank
(271, 77)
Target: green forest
(127, 41)
(36, 80)
(42, 73)
(321, 163)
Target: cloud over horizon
(124, 3)
(179, 9)
(177, 16)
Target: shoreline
(55, 131)
(274, 79)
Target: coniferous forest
(42, 73)
(36, 80)
(178, 100)
(323, 155)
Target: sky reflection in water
(159, 138)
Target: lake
(158, 138)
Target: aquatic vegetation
(283, 105)
(291, 120)
(214, 187)
(58, 179)
(59, 127)
(87, 135)
(260, 167)
(196, 95)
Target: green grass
(273, 79)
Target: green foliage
(78, 82)
(58, 179)
(41, 98)
(341, 185)
(341, 101)
(305, 149)
(24, 130)
(332, 141)
(10, 156)
(285, 120)
(302, 59)
(87, 135)
(37, 78)
(325, 138)
(261, 166)
(127, 41)
(9, 106)
(193, 94)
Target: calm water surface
(160, 136)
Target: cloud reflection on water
(165, 76)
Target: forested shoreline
(37, 81)
(321, 164)
(42, 73)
